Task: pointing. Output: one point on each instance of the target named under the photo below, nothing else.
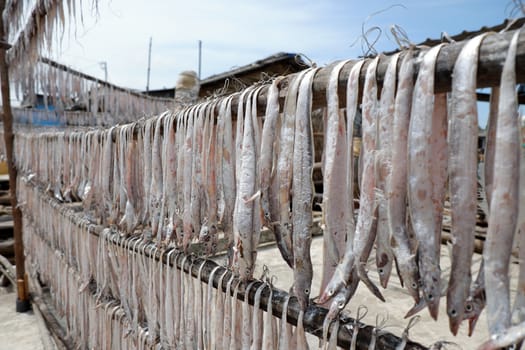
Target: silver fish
(503, 213)
(269, 150)
(302, 187)
(243, 216)
(420, 187)
(284, 162)
(335, 203)
(463, 165)
(396, 184)
(345, 268)
(385, 140)
(365, 233)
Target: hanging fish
(396, 183)
(463, 166)
(420, 185)
(503, 212)
(335, 202)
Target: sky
(235, 33)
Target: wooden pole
(22, 302)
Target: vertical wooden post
(22, 302)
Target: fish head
(455, 316)
(302, 292)
(410, 274)
(331, 289)
(384, 268)
(431, 293)
(302, 286)
(338, 303)
(473, 307)
(455, 306)
(326, 295)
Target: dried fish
(269, 332)
(247, 329)
(475, 301)
(285, 333)
(302, 187)
(345, 268)
(503, 213)
(284, 164)
(365, 233)
(228, 309)
(420, 186)
(243, 215)
(396, 183)
(463, 144)
(335, 203)
(156, 184)
(257, 319)
(187, 219)
(385, 140)
(271, 120)
(227, 175)
(220, 313)
(236, 320)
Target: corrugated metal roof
(291, 58)
(510, 24)
(281, 63)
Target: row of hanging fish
(199, 175)
(71, 93)
(414, 142)
(156, 303)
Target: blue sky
(236, 33)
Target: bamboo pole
(22, 302)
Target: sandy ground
(18, 331)
(398, 302)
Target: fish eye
(430, 297)
(453, 313)
(267, 215)
(330, 292)
(307, 291)
(341, 305)
(414, 285)
(381, 271)
(468, 307)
